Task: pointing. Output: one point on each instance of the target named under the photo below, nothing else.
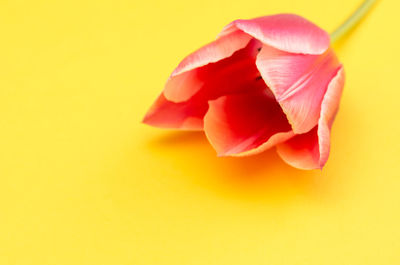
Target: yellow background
(82, 181)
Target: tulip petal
(271, 142)
(186, 81)
(184, 115)
(329, 109)
(286, 32)
(298, 82)
(238, 123)
(237, 73)
(311, 150)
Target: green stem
(352, 20)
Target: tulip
(264, 82)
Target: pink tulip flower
(264, 82)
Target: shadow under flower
(262, 175)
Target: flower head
(264, 82)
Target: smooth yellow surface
(82, 181)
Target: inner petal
(235, 74)
(230, 75)
(242, 122)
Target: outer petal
(242, 122)
(185, 115)
(311, 150)
(286, 32)
(185, 81)
(298, 82)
